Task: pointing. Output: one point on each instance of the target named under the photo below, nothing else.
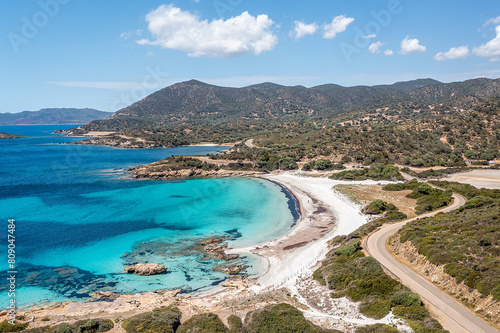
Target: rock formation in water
(146, 269)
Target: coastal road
(249, 143)
(453, 315)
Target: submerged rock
(213, 250)
(230, 269)
(146, 269)
(108, 295)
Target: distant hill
(53, 117)
(408, 86)
(4, 135)
(195, 102)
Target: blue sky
(108, 54)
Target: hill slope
(53, 117)
(196, 102)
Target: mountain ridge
(197, 102)
(53, 116)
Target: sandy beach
(486, 178)
(287, 262)
(324, 215)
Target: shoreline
(324, 215)
(298, 211)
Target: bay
(77, 213)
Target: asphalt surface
(453, 316)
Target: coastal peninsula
(4, 135)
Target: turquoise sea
(77, 213)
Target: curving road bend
(452, 315)
(249, 144)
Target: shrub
(376, 171)
(279, 318)
(406, 298)
(5, 326)
(393, 216)
(235, 324)
(350, 249)
(413, 312)
(203, 323)
(162, 320)
(377, 328)
(465, 242)
(323, 165)
(477, 202)
(349, 273)
(81, 326)
(375, 207)
(375, 308)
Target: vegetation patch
(376, 171)
(280, 318)
(465, 241)
(176, 163)
(428, 198)
(467, 190)
(235, 324)
(349, 273)
(5, 326)
(81, 326)
(435, 173)
(203, 323)
(262, 159)
(161, 320)
(377, 328)
(378, 206)
(322, 165)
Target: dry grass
(364, 194)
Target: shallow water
(77, 213)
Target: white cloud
(180, 30)
(490, 49)
(301, 29)
(388, 52)
(453, 53)
(375, 47)
(370, 36)
(130, 34)
(493, 20)
(339, 24)
(410, 46)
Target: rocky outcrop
(230, 269)
(236, 282)
(213, 250)
(146, 269)
(486, 306)
(106, 295)
(145, 173)
(119, 141)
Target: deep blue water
(77, 213)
